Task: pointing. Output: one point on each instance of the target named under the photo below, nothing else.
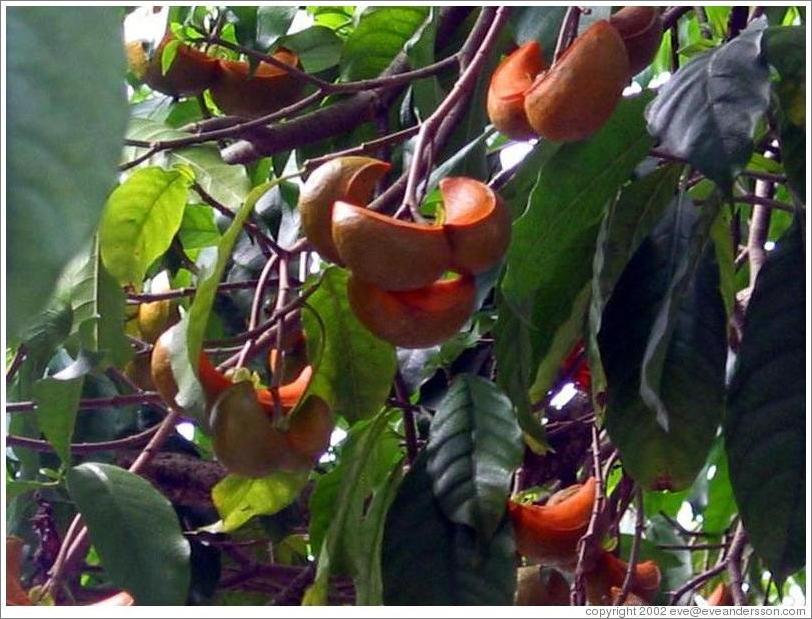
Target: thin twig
(568, 32)
(130, 399)
(634, 553)
(409, 430)
(364, 147)
(135, 440)
(19, 357)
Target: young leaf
(428, 560)
(707, 112)
(60, 169)
(766, 414)
(135, 531)
(692, 384)
(140, 219)
(356, 368)
(238, 499)
(475, 446)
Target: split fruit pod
(511, 79)
(609, 572)
(576, 97)
(641, 28)
(550, 533)
(190, 73)
(537, 586)
(414, 318)
(239, 93)
(348, 179)
(721, 596)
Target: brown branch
(19, 356)
(568, 32)
(768, 202)
(409, 429)
(671, 16)
(144, 397)
(634, 553)
(189, 291)
(733, 562)
(135, 440)
(364, 147)
(696, 581)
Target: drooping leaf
(381, 33)
(707, 112)
(474, 447)
(57, 402)
(139, 221)
(627, 222)
(766, 413)
(52, 214)
(135, 531)
(692, 382)
(349, 506)
(356, 369)
(428, 560)
(238, 499)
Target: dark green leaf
(238, 499)
(356, 369)
(381, 33)
(426, 93)
(707, 112)
(57, 402)
(318, 47)
(273, 22)
(140, 219)
(428, 560)
(692, 385)
(766, 413)
(538, 23)
(60, 169)
(135, 531)
(244, 19)
(475, 446)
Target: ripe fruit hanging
(550, 533)
(609, 572)
(510, 81)
(349, 179)
(641, 29)
(541, 587)
(190, 73)
(270, 88)
(576, 97)
(413, 318)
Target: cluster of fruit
(396, 288)
(234, 89)
(548, 534)
(572, 99)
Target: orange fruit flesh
(466, 201)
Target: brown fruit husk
(641, 28)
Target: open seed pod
(550, 533)
(387, 252)
(578, 94)
(477, 224)
(511, 79)
(310, 428)
(190, 73)
(350, 179)
(720, 596)
(270, 88)
(245, 439)
(539, 586)
(413, 318)
(641, 29)
(609, 572)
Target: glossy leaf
(238, 499)
(380, 35)
(766, 413)
(692, 383)
(707, 112)
(140, 219)
(135, 531)
(57, 403)
(428, 560)
(273, 22)
(59, 170)
(474, 447)
(356, 368)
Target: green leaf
(356, 369)
(707, 112)
(273, 22)
(426, 93)
(318, 48)
(244, 19)
(474, 447)
(59, 169)
(766, 415)
(428, 560)
(18, 487)
(720, 504)
(538, 23)
(349, 505)
(238, 499)
(628, 220)
(549, 262)
(57, 403)
(692, 385)
(381, 33)
(135, 531)
(197, 229)
(140, 219)
(228, 184)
